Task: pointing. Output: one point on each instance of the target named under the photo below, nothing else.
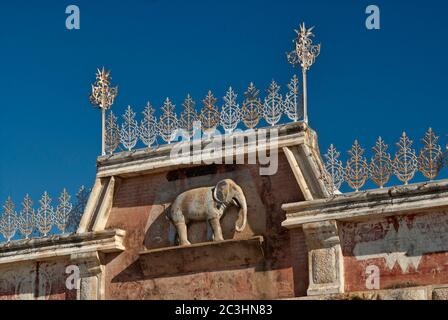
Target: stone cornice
(61, 246)
(369, 204)
(201, 257)
(144, 161)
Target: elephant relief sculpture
(207, 204)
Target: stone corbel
(325, 261)
(91, 275)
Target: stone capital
(91, 275)
(325, 261)
(89, 263)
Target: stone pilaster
(91, 276)
(325, 261)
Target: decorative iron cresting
(382, 166)
(48, 218)
(145, 130)
(228, 113)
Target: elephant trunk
(243, 210)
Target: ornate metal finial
(250, 112)
(168, 123)
(273, 104)
(210, 115)
(334, 171)
(26, 219)
(63, 211)
(230, 113)
(188, 117)
(293, 103)
(45, 215)
(8, 221)
(304, 54)
(149, 127)
(381, 164)
(130, 130)
(405, 163)
(430, 160)
(356, 171)
(103, 96)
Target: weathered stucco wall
(409, 250)
(37, 280)
(375, 243)
(139, 206)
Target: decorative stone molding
(413, 293)
(325, 263)
(42, 249)
(370, 204)
(202, 257)
(91, 284)
(99, 205)
(83, 250)
(144, 161)
(321, 218)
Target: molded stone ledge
(202, 257)
(61, 246)
(414, 293)
(430, 292)
(143, 161)
(369, 204)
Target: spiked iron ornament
(334, 171)
(405, 162)
(26, 218)
(188, 117)
(8, 221)
(45, 215)
(209, 114)
(129, 132)
(304, 54)
(356, 172)
(273, 104)
(250, 113)
(380, 168)
(168, 123)
(66, 217)
(230, 113)
(430, 160)
(293, 102)
(63, 211)
(149, 127)
(103, 96)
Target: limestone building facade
(300, 242)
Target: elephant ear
(221, 191)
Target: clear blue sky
(364, 84)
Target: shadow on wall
(191, 260)
(140, 208)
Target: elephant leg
(182, 233)
(217, 231)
